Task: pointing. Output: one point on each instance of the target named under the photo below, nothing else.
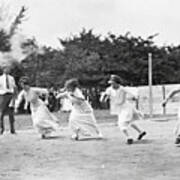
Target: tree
(5, 39)
(5, 36)
(92, 59)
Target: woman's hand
(104, 98)
(16, 110)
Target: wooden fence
(158, 94)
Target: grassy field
(26, 157)
(23, 121)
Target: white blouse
(31, 96)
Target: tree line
(92, 58)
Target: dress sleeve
(62, 95)
(40, 91)
(78, 93)
(76, 97)
(105, 94)
(108, 91)
(19, 99)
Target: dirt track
(26, 157)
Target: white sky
(50, 19)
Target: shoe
(141, 135)
(1, 131)
(177, 141)
(43, 136)
(13, 132)
(75, 137)
(129, 141)
(77, 134)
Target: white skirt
(85, 123)
(128, 114)
(43, 120)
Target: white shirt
(3, 86)
(117, 98)
(83, 107)
(32, 96)
(78, 107)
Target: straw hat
(24, 80)
(114, 79)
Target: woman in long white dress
(43, 120)
(82, 120)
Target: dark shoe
(13, 132)
(43, 136)
(1, 131)
(141, 135)
(130, 141)
(77, 134)
(75, 137)
(177, 141)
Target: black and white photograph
(89, 90)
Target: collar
(5, 74)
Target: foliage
(4, 41)
(92, 59)
(5, 36)
(17, 21)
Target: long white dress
(82, 117)
(43, 120)
(119, 105)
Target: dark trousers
(5, 109)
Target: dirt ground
(26, 157)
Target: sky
(48, 20)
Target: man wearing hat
(7, 92)
(126, 112)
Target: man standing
(7, 93)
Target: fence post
(164, 96)
(137, 103)
(150, 85)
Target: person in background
(177, 127)
(127, 114)
(8, 91)
(51, 100)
